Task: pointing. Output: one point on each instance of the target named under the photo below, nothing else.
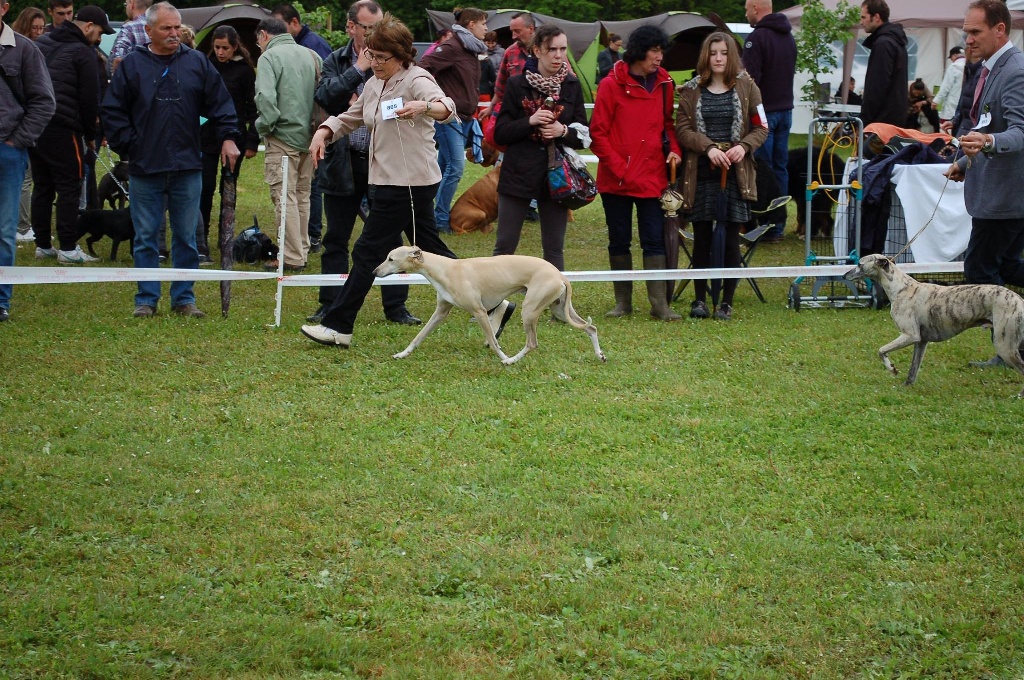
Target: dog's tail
(563, 310)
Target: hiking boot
(724, 312)
(190, 310)
(144, 311)
(699, 310)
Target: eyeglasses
(376, 58)
(362, 26)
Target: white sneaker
(76, 256)
(29, 235)
(327, 336)
(43, 253)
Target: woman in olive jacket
(720, 122)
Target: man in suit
(994, 147)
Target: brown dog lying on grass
(477, 207)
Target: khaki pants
(295, 248)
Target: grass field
(753, 499)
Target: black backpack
(252, 245)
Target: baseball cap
(93, 14)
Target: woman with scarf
(541, 106)
(455, 64)
(721, 122)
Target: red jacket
(627, 130)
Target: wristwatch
(990, 144)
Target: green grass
(754, 499)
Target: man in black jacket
(607, 57)
(885, 85)
(58, 157)
(344, 172)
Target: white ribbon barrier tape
(32, 275)
(21, 275)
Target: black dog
(117, 224)
(108, 190)
(827, 170)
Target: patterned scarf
(547, 85)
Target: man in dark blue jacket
(151, 113)
(769, 56)
(58, 157)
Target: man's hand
(229, 154)
(954, 173)
(973, 142)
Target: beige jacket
(402, 152)
(695, 143)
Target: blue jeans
(618, 214)
(775, 150)
(147, 195)
(13, 163)
(451, 156)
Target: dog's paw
(603, 357)
(401, 355)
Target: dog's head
(874, 267)
(401, 260)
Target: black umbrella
(226, 232)
(718, 235)
(671, 202)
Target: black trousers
(390, 218)
(994, 252)
(211, 164)
(57, 167)
(341, 220)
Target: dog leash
(110, 171)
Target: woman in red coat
(633, 135)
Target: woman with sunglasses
(399, 105)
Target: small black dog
(108, 191)
(117, 224)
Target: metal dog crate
(845, 240)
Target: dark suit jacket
(992, 184)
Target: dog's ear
(416, 254)
(884, 264)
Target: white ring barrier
(37, 275)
